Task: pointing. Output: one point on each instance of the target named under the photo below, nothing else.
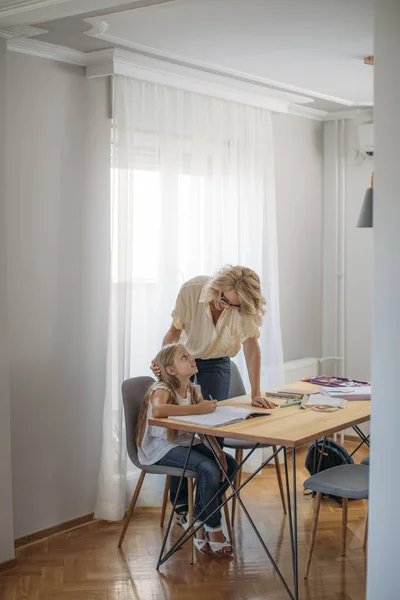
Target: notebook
(223, 415)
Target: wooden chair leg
(190, 516)
(313, 532)
(131, 507)
(366, 533)
(165, 500)
(280, 482)
(345, 504)
(238, 479)
(227, 519)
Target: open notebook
(223, 415)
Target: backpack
(333, 456)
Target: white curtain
(192, 190)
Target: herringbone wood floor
(85, 564)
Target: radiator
(294, 370)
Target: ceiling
(310, 47)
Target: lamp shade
(366, 218)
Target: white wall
(6, 509)
(298, 150)
(383, 580)
(345, 181)
(58, 194)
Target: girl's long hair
(165, 358)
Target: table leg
(292, 518)
(171, 516)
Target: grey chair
(345, 481)
(133, 393)
(365, 461)
(237, 389)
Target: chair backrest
(236, 387)
(133, 393)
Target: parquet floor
(85, 564)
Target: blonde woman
(172, 395)
(218, 315)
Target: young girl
(174, 395)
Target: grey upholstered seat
(346, 481)
(133, 392)
(365, 461)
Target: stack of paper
(354, 393)
(326, 400)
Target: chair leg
(366, 533)
(313, 531)
(345, 504)
(190, 516)
(228, 522)
(238, 479)
(165, 500)
(131, 507)
(280, 482)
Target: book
(223, 415)
(326, 380)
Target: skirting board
(8, 565)
(31, 538)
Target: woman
(219, 314)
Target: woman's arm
(172, 336)
(161, 409)
(252, 353)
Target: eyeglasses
(226, 302)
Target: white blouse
(155, 444)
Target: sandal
(181, 513)
(201, 544)
(218, 547)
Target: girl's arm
(161, 409)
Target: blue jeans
(202, 461)
(214, 378)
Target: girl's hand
(207, 406)
(156, 370)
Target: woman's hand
(207, 406)
(263, 402)
(156, 370)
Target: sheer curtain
(192, 190)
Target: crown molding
(21, 31)
(309, 113)
(118, 61)
(45, 50)
(14, 7)
(351, 114)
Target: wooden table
(287, 427)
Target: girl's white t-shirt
(155, 444)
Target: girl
(173, 395)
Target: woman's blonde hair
(164, 359)
(246, 283)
